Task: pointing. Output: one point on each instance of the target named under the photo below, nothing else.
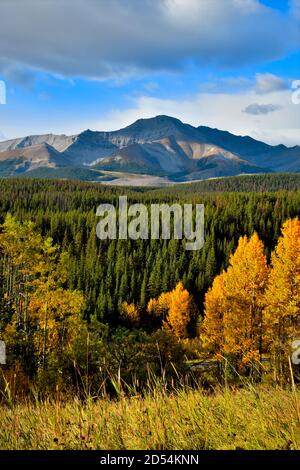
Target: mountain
(278, 158)
(23, 159)
(58, 142)
(161, 147)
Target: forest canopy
(138, 303)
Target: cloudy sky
(69, 65)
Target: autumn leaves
(252, 309)
(172, 311)
(176, 309)
(38, 312)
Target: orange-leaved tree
(234, 305)
(282, 297)
(175, 310)
(212, 329)
(182, 311)
(131, 314)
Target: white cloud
(105, 39)
(261, 109)
(267, 83)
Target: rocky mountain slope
(161, 146)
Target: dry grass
(250, 418)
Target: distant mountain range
(162, 147)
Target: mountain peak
(157, 121)
(157, 127)
(160, 118)
(87, 132)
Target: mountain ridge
(160, 146)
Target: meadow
(250, 418)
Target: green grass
(261, 418)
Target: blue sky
(102, 64)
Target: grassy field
(262, 418)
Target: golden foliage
(233, 306)
(159, 307)
(44, 310)
(282, 297)
(181, 311)
(212, 329)
(176, 309)
(131, 313)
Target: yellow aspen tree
(181, 311)
(56, 314)
(282, 297)
(159, 307)
(131, 313)
(44, 310)
(212, 328)
(25, 253)
(245, 283)
(233, 306)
